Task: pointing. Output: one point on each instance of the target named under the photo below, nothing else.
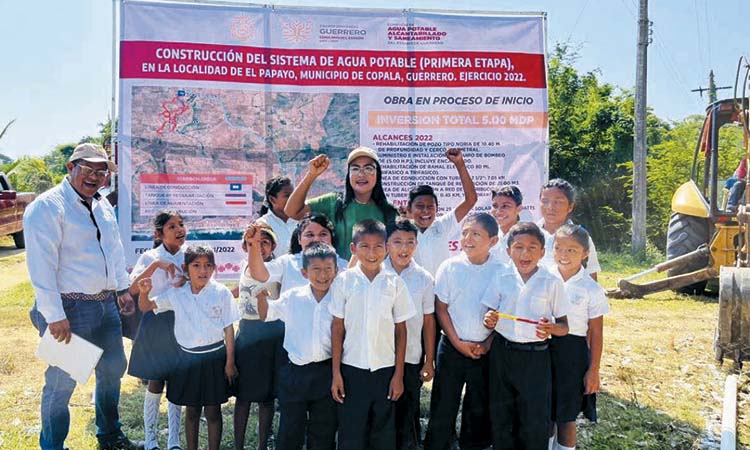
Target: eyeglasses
(87, 171)
(369, 169)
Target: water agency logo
(296, 31)
(242, 28)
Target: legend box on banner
(196, 194)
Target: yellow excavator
(707, 238)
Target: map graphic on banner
(216, 99)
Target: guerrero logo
(242, 28)
(296, 31)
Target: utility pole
(638, 239)
(711, 89)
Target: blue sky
(56, 74)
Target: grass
(661, 387)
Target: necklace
(361, 203)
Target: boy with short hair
(369, 306)
(305, 381)
(520, 367)
(435, 232)
(460, 286)
(401, 244)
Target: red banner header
(306, 67)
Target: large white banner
(216, 99)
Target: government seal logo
(242, 28)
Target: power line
(578, 18)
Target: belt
(98, 297)
(204, 349)
(526, 346)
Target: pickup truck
(12, 204)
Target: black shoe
(121, 443)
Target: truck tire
(685, 234)
(19, 240)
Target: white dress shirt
(199, 319)
(461, 285)
(282, 230)
(588, 300)
(249, 290)
(421, 287)
(160, 279)
(63, 253)
(500, 250)
(542, 295)
(287, 270)
(433, 249)
(592, 265)
(307, 335)
(370, 311)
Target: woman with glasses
(364, 197)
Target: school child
(573, 375)
(204, 316)
(436, 232)
(278, 190)
(506, 207)
(154, 346)
(520, 372)
(287, 269)
(370, 307)
(308, 412)
(460, 285)
(557, 201)
(401, 244)
(258, 350)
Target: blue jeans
(99, 323)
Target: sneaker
(121, 443)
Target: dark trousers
(520, 395)
(452, 372)
(308, 412)
(367, 418)
(407, 409)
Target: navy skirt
(199, 379)
(259, 354)
(155, 349)
(570, 361)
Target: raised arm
(144, 289)
(295, 205)
(455, 155)
(255, 265)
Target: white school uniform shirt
(421, 288)
(160, 279)
(500, 250)
(433, 242)
(249, 290)
(287, 270)
(199, 319)
(462, 285)
(587, 298)
(370, 311)
(592, 266)
(282, 230)
(307, 335)
(63, 253)
(542, 295)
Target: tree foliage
(30, 175)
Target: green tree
(30, 175)
(591, 145)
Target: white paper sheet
(78, 357)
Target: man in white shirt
(77, 268)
